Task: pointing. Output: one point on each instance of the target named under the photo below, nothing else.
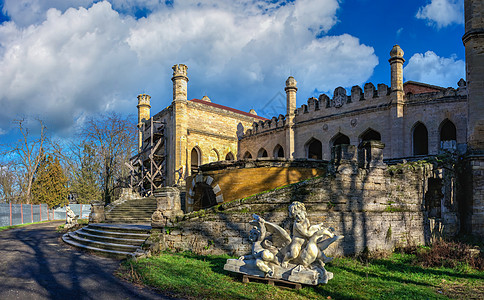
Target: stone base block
(292, 273)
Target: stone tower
(473, 40)
(291, 90)
(143, 115)
(177, 167)
(396, 65)
(474, 45)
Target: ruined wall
(376, 208)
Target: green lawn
(396, 277)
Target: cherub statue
(262, 250)
(302, 231)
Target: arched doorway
(195, 160)
(247, 155)
(314, 149)
(229, 156)
(203, 196)
(448, 135)
(420, 139)
(279, 151)
(262, 153)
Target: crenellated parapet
(359, 98)
(276, 123)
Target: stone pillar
(473, 40)
(179, 135)
(370, 154)
(291, 90)
(397, 94)
(143, 115)
(168, 205)
(97, 212)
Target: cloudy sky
(63, 60)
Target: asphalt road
(36, 264)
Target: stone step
(126, 230)
(109, 239)
(102, 245)
(103, 252)
(128, 220)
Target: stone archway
(204, 192)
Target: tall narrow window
(420, 139)
(195, 160)
(448, 135)
(340, 139)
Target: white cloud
(433, 69)
(78, 61)
(442, 13)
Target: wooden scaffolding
(148, 167)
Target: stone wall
(379, 207)
(321, 120)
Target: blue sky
(64, 60)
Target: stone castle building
(370, 126)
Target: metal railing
(15, 214)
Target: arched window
(213, 156)
(448, 132)
(340, 139)
(195, 159)
(370, 135)
(448, 135)
(279, 151)
(229, 156)
(262, 153)
(420, 139)
(247, 155)
(314, 149)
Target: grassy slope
(186, 274)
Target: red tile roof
(228, 108)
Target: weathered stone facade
(375, 208)
(356, 130)
(366, 114)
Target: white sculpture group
(298, 257)
(71, 218)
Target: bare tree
(28, 152)
(113, 137)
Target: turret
(180, 81)
(291, 90)
(396, 63)
(474, 45)
(143, 115)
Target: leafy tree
(50, 183)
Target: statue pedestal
(292, 273)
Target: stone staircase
(132, 211)
(112, 240)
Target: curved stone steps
(113, 240)
(103, 252)
(109, 239)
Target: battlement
(341, 102)
(267, 125)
